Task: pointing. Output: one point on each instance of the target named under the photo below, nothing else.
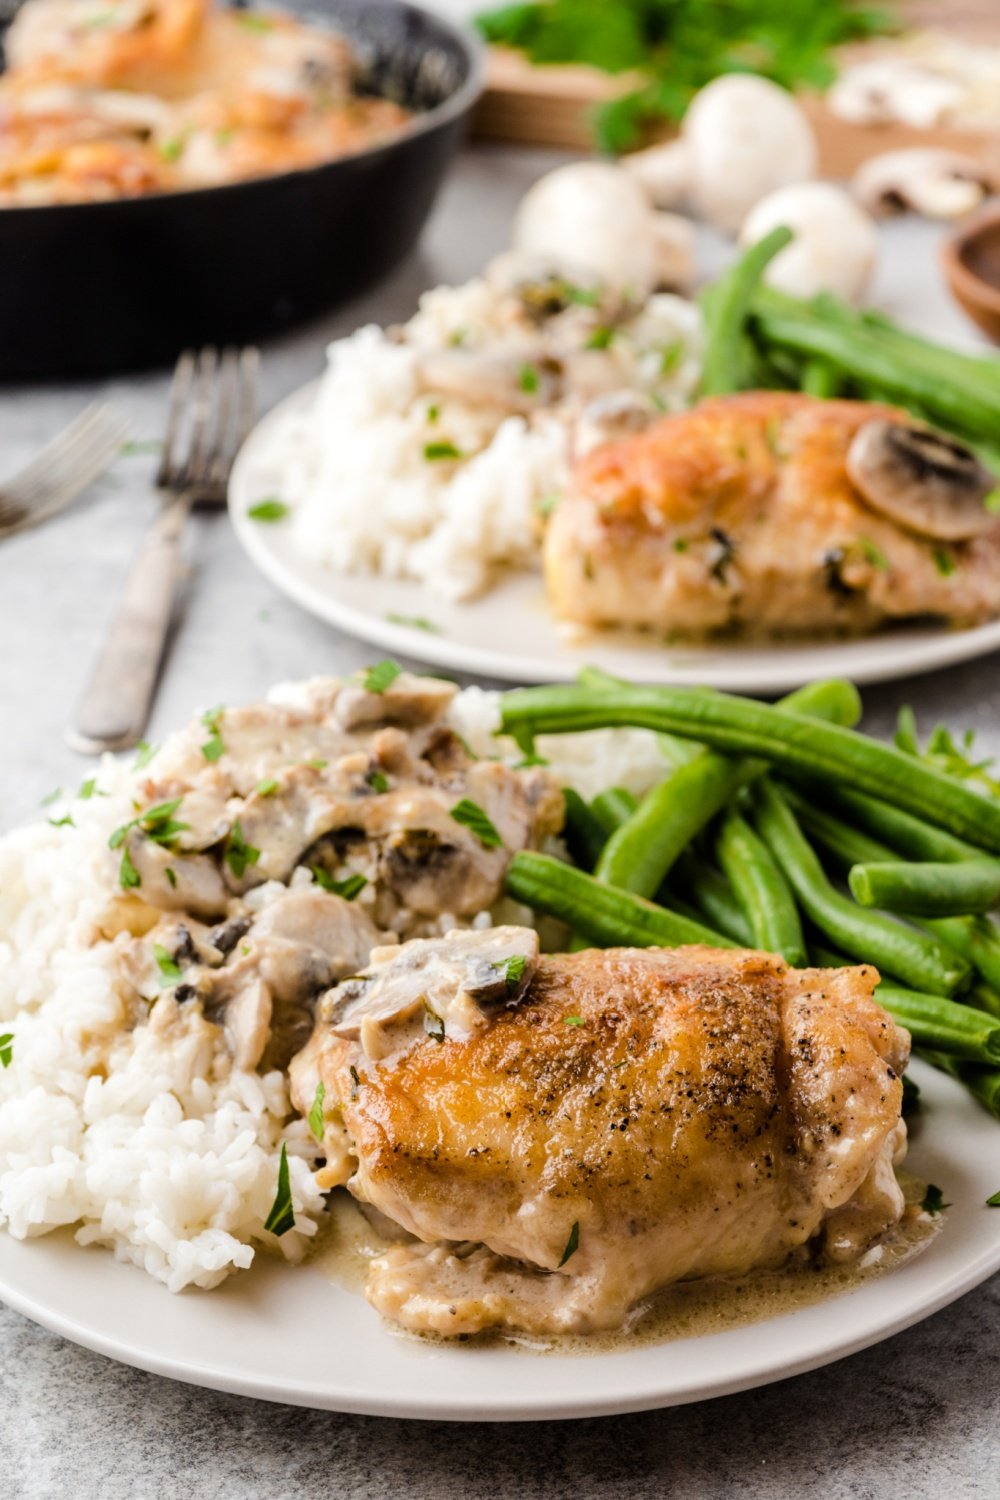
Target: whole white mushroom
(593, 219)
(835, 247)
(741, 138)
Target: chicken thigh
(775, 513)
(563, 1135)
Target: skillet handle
(115, 707)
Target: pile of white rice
(145, 1137)
(364, 497)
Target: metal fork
(62, 470)
(213, 401)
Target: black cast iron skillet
(95, 288)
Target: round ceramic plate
(509, 633)
(286, 1333)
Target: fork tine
(179, 387)
(41, 491)
(227, 413)
(90, 421)
(202, 411)
(249, 375)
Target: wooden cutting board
(551, 106)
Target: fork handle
(114, 709)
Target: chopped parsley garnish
(513, 970)
(992, 1202)
(6, 1048)
(992, 501)
(381, 676)
(681, 544)
(172, 148)
(545, 505)
(225, 135)
(282, 1216)
(128, 875)
(573, 1021)
(348, 888)
(171, 877)
(472, 817)
(315, 1115)
(239, 853)
(251, 21)
(317, 765)
(442, 449)
(600, 338)
(527, 761)
(873, 554)
(414, 622)
(170, 969)
(581, 296)
(267, 787)
(670, 357)
(268, 511)
(66, 821)
(433, 1023)
(377, 781)
(144, 754)
(213, 747)
(157, 823)
(944, 562)
(933, 1200)
(572, 1244)
(48, 800)
(527, 379)
(355, 1082)
(89, 788)
(432, 413)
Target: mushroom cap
(592, 217)
(835, 247)
(745, 137)
(939, 184)
(922, 480)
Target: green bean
(608, 917)
(639, 855)
(761, 889)
(713, 897)
(903, 832)
(776, 735)
(957, 1030)
(583, 831)
(919, 960)
(984, 998)
(847, 846)
(613, 808)
(726, 311)
(819, 378)
(983, 1083)
(930, 890)
(951, 1029)
(976, 938)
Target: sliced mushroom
(922, 480)
(446, 984)
(520, 379)
(937, 184)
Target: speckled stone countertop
(916, 1417)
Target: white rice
(365, 498)
(144, 1137)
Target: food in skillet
(774, 512)
(600, 1124)
(108, 100)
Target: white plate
(287, 1333)
(509, 633)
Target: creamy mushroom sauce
(349, 1242)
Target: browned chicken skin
(635, 1118)
(739, 515)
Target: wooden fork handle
(114, 709)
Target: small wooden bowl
(971, 261)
